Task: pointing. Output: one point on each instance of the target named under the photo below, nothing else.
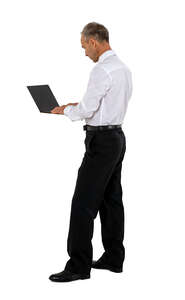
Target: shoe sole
(73, 277)
(106, 267)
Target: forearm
(79, 112)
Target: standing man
(98, 186)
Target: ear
(93, 42)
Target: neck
(103, 50)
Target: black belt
(104, 127)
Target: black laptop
(43, 97)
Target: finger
(54, 110)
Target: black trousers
(98, 189)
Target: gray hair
(97, 31)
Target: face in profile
(90, 48)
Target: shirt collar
(105, 55)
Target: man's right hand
(72, 103)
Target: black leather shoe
(100, 264)
(66, 276)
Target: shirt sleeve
(98, 85)
(130, 86)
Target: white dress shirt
(108, 92)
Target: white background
(41, 153)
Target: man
(98, 186)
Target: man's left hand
(58, 110)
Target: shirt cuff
(66, 110)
